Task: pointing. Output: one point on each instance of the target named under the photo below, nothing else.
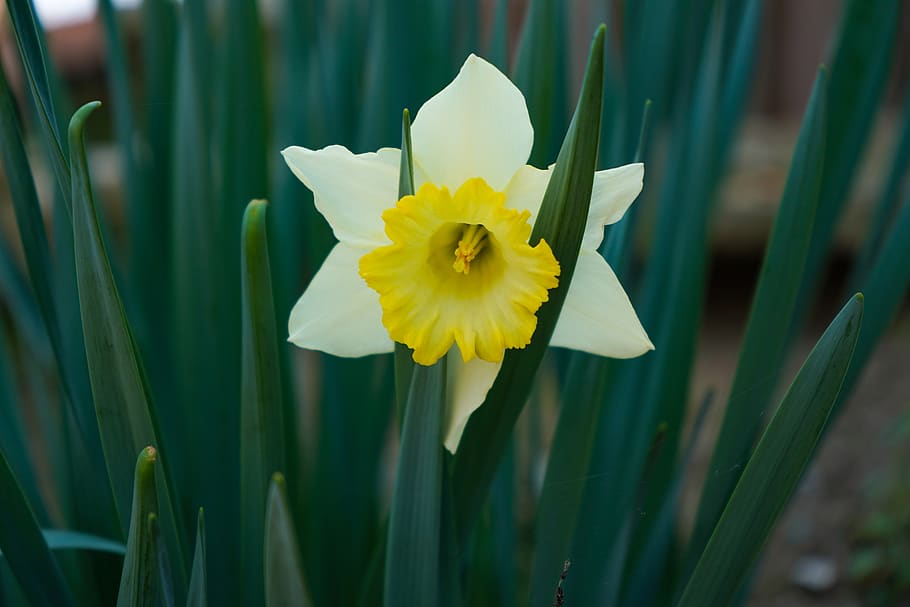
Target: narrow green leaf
(860, 66)
(888, 200)
(412, 554)
(123, 404)
(262, 427)
(139, 583)
(34, 61)
(165, 579)
(561, 222)
(13, 435)
(63, 539)
(198, 594)
(146, 215)
(767, 330)
(540, 73)
(567, 466)
(284, 585)
(886, 286)
(651, 391)
(34, 240)
(25, 549)
(404, 362)
(776, 465)
(639, 585)
(498, 52)
(27, 208)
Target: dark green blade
(63, 539)
(412, 567)
(540, 73)
(561, 222)
(776, 465)
(859, 68)
(284, 585)
(886, 286)
(262, 425)
(25, 549)
(197, 596)
(139, 582)
(404, 362)
(123, 404)
(34, 61)
(773, 306)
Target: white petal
(614, 191)
(597, 316)
(338, 313)
(526, 189)
(467, 385)
(477, 126)
(351, 190)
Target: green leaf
(651, 391)
(34, 240)
(540, 73)
(123, 404)
(767, 331)
(14, 437)
(284, 585)
(561, 222)
(413, 551)
(404, 362)
(860, 67)
(34, 61)
(775, 467)
(139, 582)
(262, 427)
(25, 548)
(64, 539)
(198, 593)
(885, 288)
(639, 585)
(498, 53)
(570, 456)
(887, 203)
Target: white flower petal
(526, 189)
(467, 385)
(351, 190)
(477, 126)
(597, 316)
(614, 191)
(338, 313)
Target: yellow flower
(451, 265)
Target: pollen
(459, 271)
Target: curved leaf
(25, 548)
(774, 469)
(262, 428)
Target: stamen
(473, 240)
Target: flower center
(473, 240)
(459, 270)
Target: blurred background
(847, 533)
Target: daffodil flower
(449, 271)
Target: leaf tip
(150, 454)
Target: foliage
(166, 341)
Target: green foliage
(176, 338)
(140, 583)
(776, 465)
